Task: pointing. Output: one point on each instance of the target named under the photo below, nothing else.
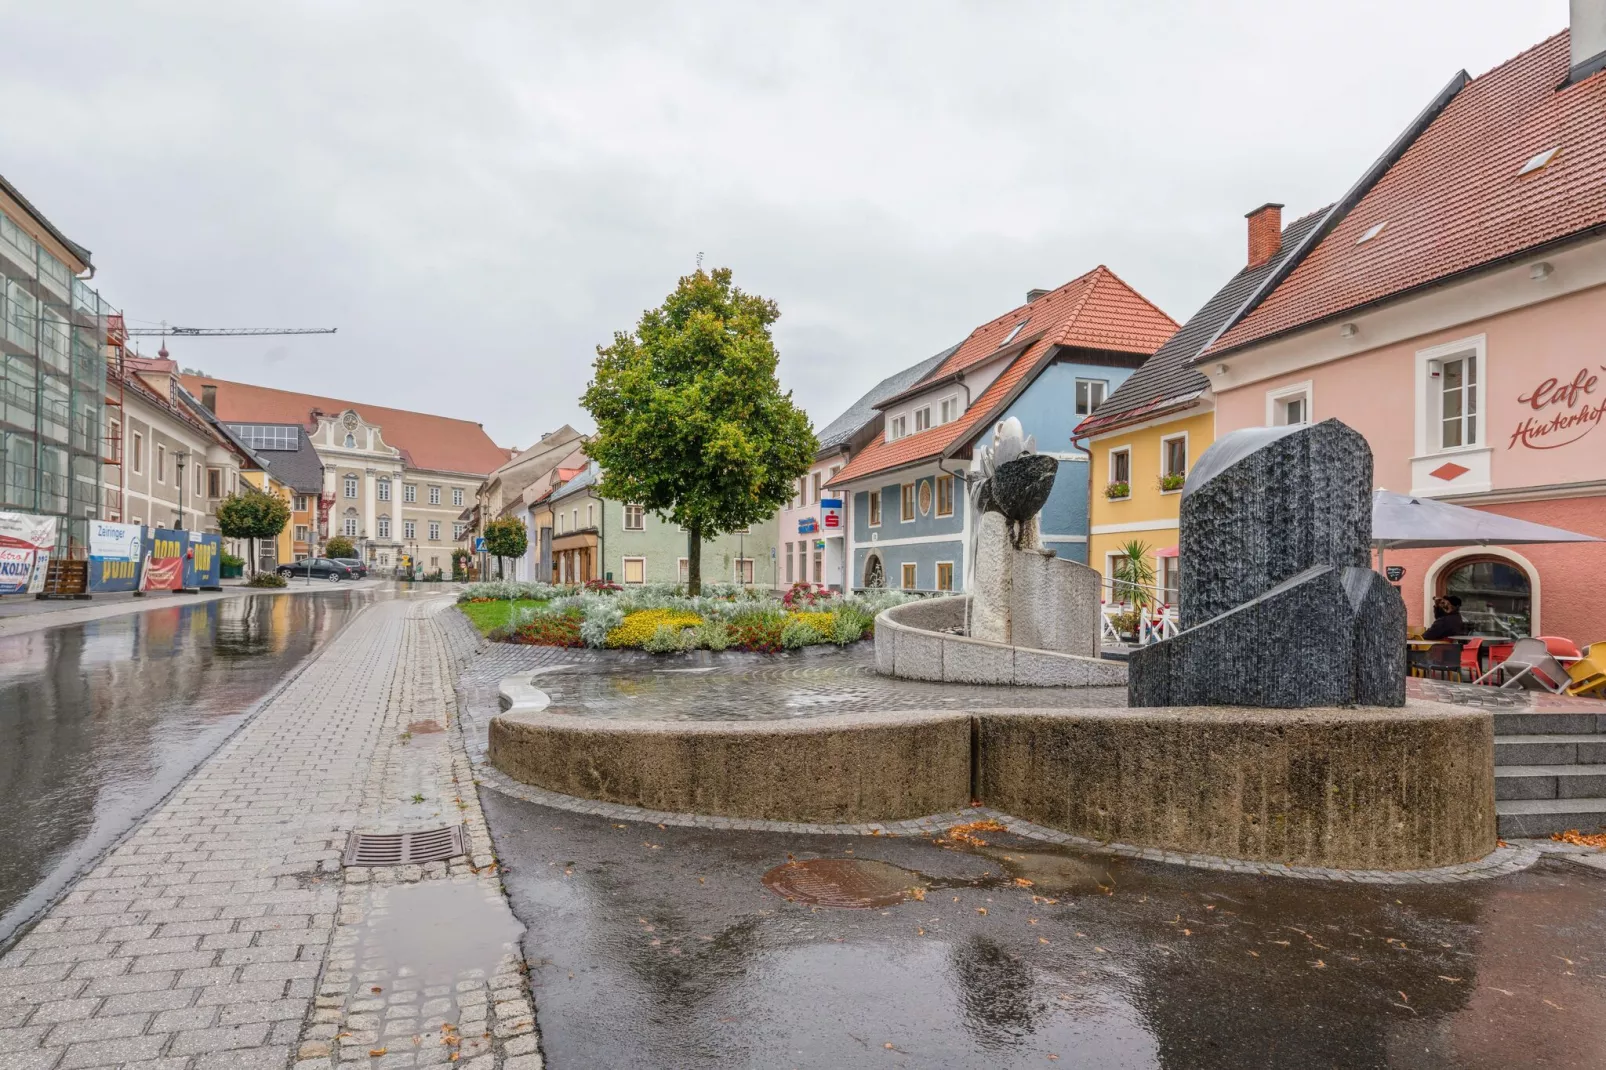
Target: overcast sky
(478, 195)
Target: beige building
(511, 490)
(395, 482)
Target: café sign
(1566, 411)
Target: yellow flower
(639, 626)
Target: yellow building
(285, 550)
(1144, 438)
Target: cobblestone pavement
(632, 684)
(222, 933)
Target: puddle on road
(426, 955)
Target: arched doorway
(1496, 594)
(873, 574)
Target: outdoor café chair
(1589, 671)
(1530, 665)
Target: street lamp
(178, 460)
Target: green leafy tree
(339, 546)
(252, 514)
(505, 537)
(691, 422)
(1133, 574)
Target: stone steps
(1550, 772)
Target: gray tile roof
(841, 430)
(1170, 373)
(299, 469)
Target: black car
(358, 567)
(318, 567)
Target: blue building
(1048, 363)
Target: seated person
(1447, 610)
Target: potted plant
(231, 567)
(1118, 489)
(1173, 481)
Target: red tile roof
(436, 443)
(1095, 311)
(1454, 201)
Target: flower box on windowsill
(1117, 491)
(1172, 482)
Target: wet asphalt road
(100, 721)
(660, 947)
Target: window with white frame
(434, 530)
(382, 490)
(1289, 406)
(382, 527)
(945, 495)
(923, 418)
(302, 503)
(351, 527)
(635, 570)
(302, 531)
(591, 515)
(409, 492)
(791, 572)
(1173, 461)
(351, 486)
(457, 496)
(950, 410)
(138, 453)
(874, 508)
(434, 495)
(1120, 473)
(945, 575)
(816, 481)
(1457, 389)
(1089, 395)
(683, 570)
(897, 427)
(1170, 579)
(161, 463)
(907, 577)
(410, 529)
(907, 504)
(457, 532)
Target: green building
(53, 351)
(596, 538)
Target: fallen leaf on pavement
(1452, 980)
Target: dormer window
(898, 427)
(923, 418)
(950, 410)
(1013, 331)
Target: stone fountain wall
(1029, 597)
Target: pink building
(1452, 308)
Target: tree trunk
(694, 560)
(251, 549)
(499, 566)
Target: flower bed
(661, 619)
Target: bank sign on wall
(25, 544)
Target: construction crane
(222, 332)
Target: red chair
(1471, 667)
(1560, 647)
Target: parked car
(319, 567)
(356, 564)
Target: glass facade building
(53, 349)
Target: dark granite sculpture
(1019, 489)
(1278, 606)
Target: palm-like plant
(1134, 574)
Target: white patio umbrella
(1407, 522)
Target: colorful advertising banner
(115, 551)
(163, 568)
(203, 560)
(25, 544)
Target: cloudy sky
(479, 194)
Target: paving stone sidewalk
(224, 933)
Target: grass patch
(500, 614)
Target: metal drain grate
(405, 848)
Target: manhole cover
(843, 882)
(405, 848)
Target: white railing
(1156, 618)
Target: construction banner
(115, 551)
(163, 567)
(25, 544)
(203, 560)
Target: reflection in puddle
(426, 956)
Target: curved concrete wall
(916, 641)
(1362, 788)
(1380, 789)
(848, 769)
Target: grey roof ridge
(39, 217)
(1341, 207)
(833, 435)
(223, 429)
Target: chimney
(1588, 37)
(1266, 232)
(1032, 295)
(209, 397)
